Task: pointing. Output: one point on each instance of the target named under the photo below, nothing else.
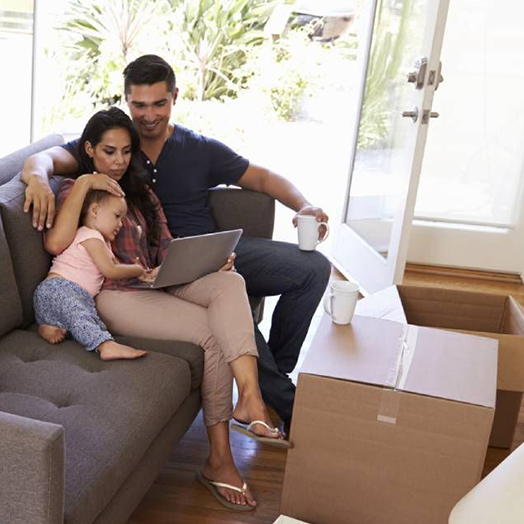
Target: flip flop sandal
(212, 486)
(277, 442)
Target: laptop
(190, 258)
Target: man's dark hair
(148, 70)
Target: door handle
(411, 114)
(419, 74)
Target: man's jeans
(300, 277)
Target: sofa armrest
(234, 208)
(31, 471)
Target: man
(182, 165)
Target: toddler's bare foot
(111, 350)
(52, 334)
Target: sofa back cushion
(234, 208)
(30, 260)
(12, 164)
(25, 259)
(10, 306)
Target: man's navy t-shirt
(189, 164)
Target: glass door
(470, 201)
(401, 72)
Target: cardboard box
(390, 425)
(496, 316)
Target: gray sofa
(82, 440)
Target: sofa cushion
(12, 164)
(10, 305)
(30, 260)
(234, 208)
(192, 354)
(111, 411)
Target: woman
(212, 312)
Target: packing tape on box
(397, 376)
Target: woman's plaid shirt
(130, 245)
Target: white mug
(341, 300)
(308, 229)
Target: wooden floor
(177, 498)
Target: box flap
(416, 359)
(384, 304)
(461, 368)
(363, 351)
(488, 315)
(510, 362)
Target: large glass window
(274, 84)
(16, 64)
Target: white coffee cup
(341, 300)
(308, 231)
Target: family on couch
(178, 167)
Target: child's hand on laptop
(149, 275)
(230, 263)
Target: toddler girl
(64, 301)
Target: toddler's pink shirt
(76, 264)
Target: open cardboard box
(390, 425)
(495, 316)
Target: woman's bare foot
(111, 350)
(251, 407)
(52, 334)
(225, 471)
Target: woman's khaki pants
(213, 312)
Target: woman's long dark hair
(134, 182)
